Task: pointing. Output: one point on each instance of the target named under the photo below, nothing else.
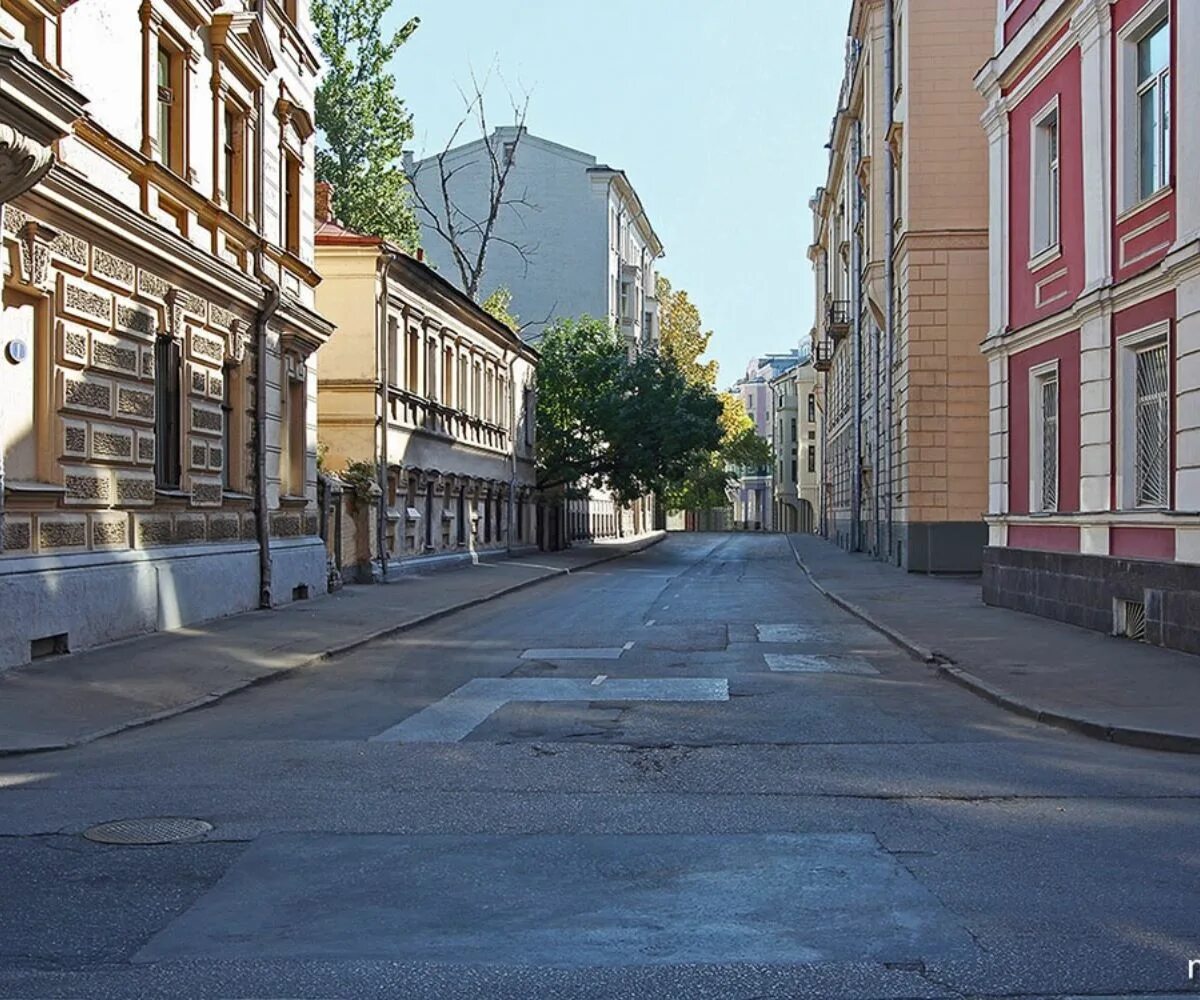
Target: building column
(1095, 415)
(996, 124)
(1092, 26)
(1185, 79)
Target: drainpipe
(889, 267)
(512, 449)
(856, 311)
(261, 511)
(262, 321)
(381, 410)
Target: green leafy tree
(631, 427)
(705, 485)
(499, 306)
(682, 335)
(363, 122)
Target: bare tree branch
(471, 239)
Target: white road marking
(455, 716)
(599, 679)
(575, 653)
(650, 622)
(628, 646)
(797, 663)
(802, 633)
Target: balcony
(837, 318)
(822, 359)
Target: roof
(331, 233)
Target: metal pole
(856, 310)
(889, 267)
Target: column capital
(23, 162)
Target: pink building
(1094, 339)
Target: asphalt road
(682, 775)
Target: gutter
(889, 264)
(856, 306)
(381, 355)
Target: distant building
(796, 442)
(899, 251)
(753, 504)
(1093, 344)
(592, 251)
(455, 388)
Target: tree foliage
(682, 335)
(633, 427)
(363, 122)
(707, 483)
(499, 306)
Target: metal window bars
(1152, 420)
(1049, 402)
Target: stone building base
(70, 603)
(922, 547)
(1087, 590)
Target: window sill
(1044, 257)
(1144, 204)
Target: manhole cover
(152, 830)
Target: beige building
(158, 433)
(454, 464)
(795, 438)
(900, 258)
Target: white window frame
(1129, 345)
(1129, 197)
(1043, 170)
(1038, 376)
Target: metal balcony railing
(822, 356)
(837, 318)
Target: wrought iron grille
(1152, 414)
(1049, 498)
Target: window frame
(1128, 131)
(168, 413)
(1045, 185)
(1040, 376)
(290, 189)
(1128, 347)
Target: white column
(1185, 78)
(1187, 389)
(998, 471)
(1092, 26)
(1095, 412)
(995, 123)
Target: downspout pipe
(856, 311)
(261, 510)
(265, 314)
(889, 265)
(381, 410)
(512, 448)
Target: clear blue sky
(718, 110)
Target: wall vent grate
(1129, 620)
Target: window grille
(1152, 416)
(1049, 497)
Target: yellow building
(900, 238)
(157, 439)
(431, 393)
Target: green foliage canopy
(633, 427)
(681, 333)
(363, 122)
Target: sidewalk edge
(330, 653)
(1146, 739)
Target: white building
(589, 250)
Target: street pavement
(681, 774)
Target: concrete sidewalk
(1107, 688)
(65, 701)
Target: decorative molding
(35, 240)
(23, 162)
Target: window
(1144, 418)
(811, 451)
(1152, 420)
(167, 372)
(393, 351)
(1153, 110)
(169, 104)
(289, 8)
(413, 359)
(793, 429)
(461, 516)
(1046, 183)
(812, 407)
(297, 437)
(510, 151)
(291, 202)
(234, 442)
(477, 392)
(431, 358)
(463, 378)
(448, 376)
(793, 470)
(1043, 430)
(625, 300)
(233, 159)
(527, 409)
(502, 390)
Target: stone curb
(1147, 739)
(330, 653)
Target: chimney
(421, 254)
(324, 202)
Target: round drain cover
(151, 830)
